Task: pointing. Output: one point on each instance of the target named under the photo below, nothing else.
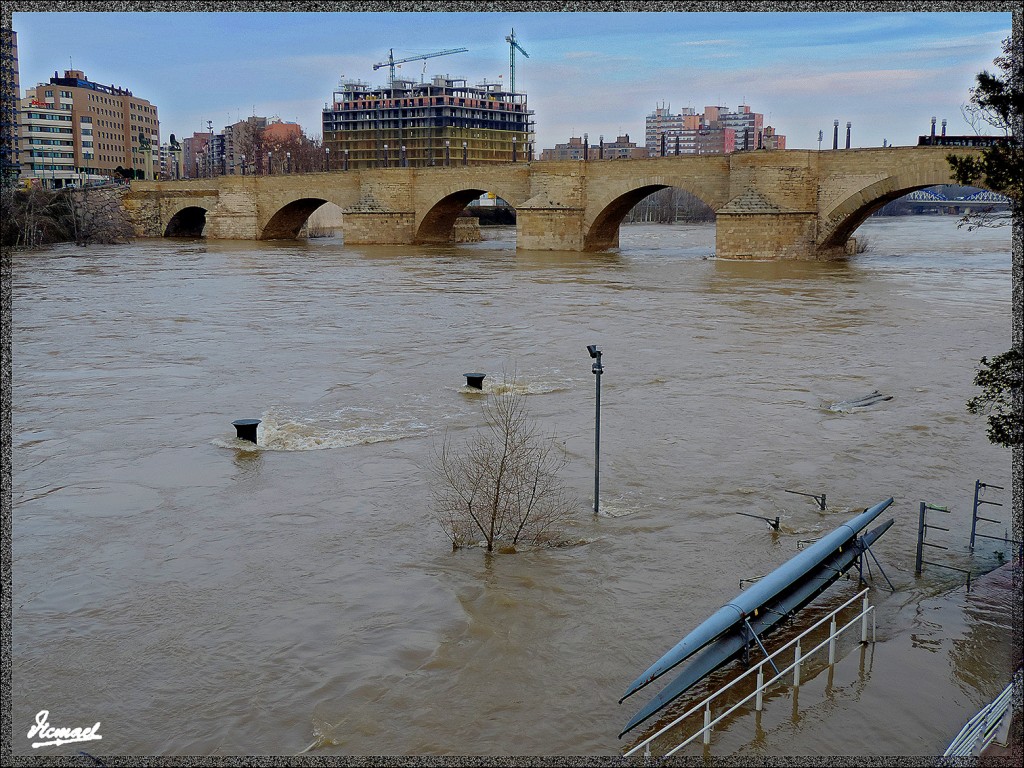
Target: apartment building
(10, 165)
(441, 122)
(577, 148)
(111, 131)
(243, 146)
(193, 156)
(715, 131)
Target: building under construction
(410, 124)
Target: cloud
(703, 43)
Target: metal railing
(758, 669)
(991, 724)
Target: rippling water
(201, 595)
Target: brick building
(110, 131)
(716, 131)
(620, 149)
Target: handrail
(758, 668)
(990, 724)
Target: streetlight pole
(597, 370)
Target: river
(200, 595)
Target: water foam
(277, 433)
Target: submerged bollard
(475, 380)
(246, 429)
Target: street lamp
(288, 162)
(344, 166)
(327, 151)
(465, 153)
(447, 152)
(597, 370)
(243, 165)
(270, 163)
(387, 161)
(514, 149)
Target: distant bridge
(789, 204)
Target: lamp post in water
(597, 370)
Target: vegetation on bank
(34, 217)
(998, 100)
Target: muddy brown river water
(199, 595)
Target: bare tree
(503, 484)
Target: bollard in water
(475, 380)
(246, 429)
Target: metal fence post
(707, 725)
(832, 641)
(796, 666)
(920, 541)
(760, 688)
(974, 515)
(864, 621)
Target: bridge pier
(378, 227)
(549, 229)
(775, 235)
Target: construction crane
(512, 47)
(392, 61)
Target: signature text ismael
(58, 736)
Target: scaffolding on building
(441, 122)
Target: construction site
(419, 124)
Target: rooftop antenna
(513, 46)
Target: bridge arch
(287, 221)
(605, 215)
(188, 221)
(839, 223)
(437, 224)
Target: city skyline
(593, 73)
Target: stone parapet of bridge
(790, 204)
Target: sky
(594, 73)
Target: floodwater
(196, 594)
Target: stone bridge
(791, 204)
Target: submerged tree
(502, 486)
